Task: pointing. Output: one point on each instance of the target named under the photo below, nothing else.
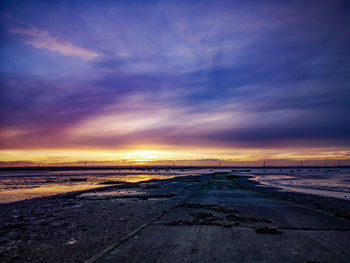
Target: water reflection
(332, 183)
(16, 186)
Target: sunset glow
(115, 83)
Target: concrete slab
(194, 233)
(159, 243)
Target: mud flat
(212, 218)
(75, 226)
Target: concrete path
(225, 223)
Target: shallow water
(324, 182)
(17, 186)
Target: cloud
(262, 74)
(42, 39)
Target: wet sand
(73, 227)
(20, 185)
(218, 218)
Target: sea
(21, 185)
(324, 182)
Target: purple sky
(175, 74)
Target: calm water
(324, 182)
(16, 186)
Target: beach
(223, 217)
(18, 185)
(174, 131)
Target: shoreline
(40, 185)
(102, 187)
(73, 168)
(73, 227)
(336, 206)
(69, 227)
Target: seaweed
(268, 230)
(216, 208)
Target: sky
(192, 81)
